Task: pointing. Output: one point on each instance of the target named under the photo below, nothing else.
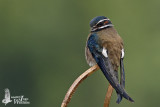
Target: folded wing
(100, 55)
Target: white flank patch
(122, 54)
(104, 52)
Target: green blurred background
(42, 50)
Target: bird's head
(100, 22)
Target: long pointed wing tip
(131, 100)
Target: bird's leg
(76, 83)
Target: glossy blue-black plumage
(94, 46)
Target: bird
(6, 99)
(104, 47)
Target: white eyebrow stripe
(104, 52)
(122, 54)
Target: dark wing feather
(122, 79)
(122, 73)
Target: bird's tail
(119, 99)
(125, 95)
(109, 73)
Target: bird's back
(110, 39)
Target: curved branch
(108, 96)
(76, 83)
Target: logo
(16, 99)
(6, 99)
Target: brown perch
(108, 96)
(76, 83)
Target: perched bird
(105, 47)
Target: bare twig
(76, 83)
(108, 96)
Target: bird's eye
(100, 24)
(106, 22)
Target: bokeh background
(42, 50)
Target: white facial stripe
(101, 27)
(105, 26)
(122, 53)
(102, 21)
(104, 52)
